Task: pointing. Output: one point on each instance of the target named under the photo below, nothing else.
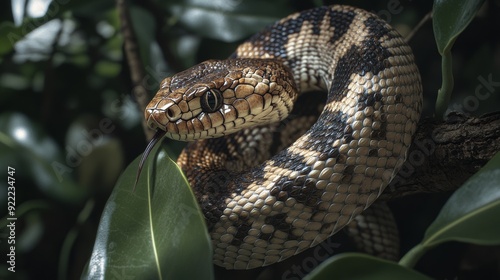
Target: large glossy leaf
(360, 266)
(144, 28)
(156, 231)
(225, 20)
(26, 147)
(470, 215)
(450, 18)
(470, 212)
(11, 34)
(101, 157)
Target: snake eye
(211, 100)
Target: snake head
(219, 97)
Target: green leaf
(228, 21)
(469, 213)
(144, 28)
(359, 266)
(25, 146)
(468, 216)
(99, 155)
(157, 231)
(10, 34)
(450, 18)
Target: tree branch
(445, 154)
(135, 63)
(160, 17)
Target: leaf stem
(419, 25)
(444, 93)
(411, 258)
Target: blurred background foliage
(69, 126)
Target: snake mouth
(155, 119)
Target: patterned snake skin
(264, 202)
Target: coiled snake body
(262, 208)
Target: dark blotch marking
(236, 242)
(347, 175)
(373, 153)
(341, 20)
(398, 98)
(242, 228)
(299, 180)
(378, 27)
(284, 227)
(346, 65)
(287, 186)
(341, 159)
(349, 170)
(282, 196)
(295, 191)
(274, 191)
(370, 57)
(366, 100)
(380, 133)
(292, 236)
(302, 188)
(305, 170)
(334, 153)
(307, 193)
(323, 156)
(279, 223)
(276, 219)
(330, 124)
(210, 182)
(326, 228)
(377, 135)
(265, 236)
(280, 32)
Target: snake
(269, 184)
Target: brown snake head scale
(219, 97)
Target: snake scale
(263, 202)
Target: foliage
(450, 18)
(155, 231)
(69, 126)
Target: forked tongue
(156, 138)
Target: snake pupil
(211, 101)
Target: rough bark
(136, 66)
(445, 154)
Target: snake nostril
(171, 113)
